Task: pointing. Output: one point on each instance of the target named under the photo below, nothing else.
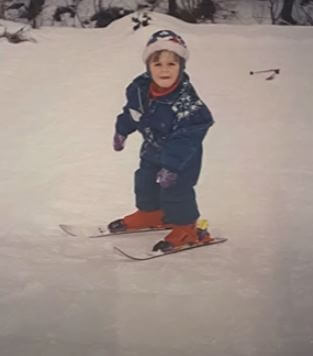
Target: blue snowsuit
(173, 127)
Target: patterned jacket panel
(172, 126)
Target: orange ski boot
(183, 235)
(180, 235)
(140, 220)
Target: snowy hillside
(252, 296)
(60, 12)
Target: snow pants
(178, 202)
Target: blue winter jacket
(172, 126)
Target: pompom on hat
(165, 40)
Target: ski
(151, 255)
(98, 231)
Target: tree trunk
(286, 12)
(172, 7)
(34, 10)
(1, 9)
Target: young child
(164, 107)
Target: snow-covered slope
(252, 296)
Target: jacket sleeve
(185, 142)
(127, 121)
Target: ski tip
(125, 254)
(220, 239)
(65, 229)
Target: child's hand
(166, 178)
(118, 142)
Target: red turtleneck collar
(155, 91)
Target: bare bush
(22, 35)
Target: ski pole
(275, 71)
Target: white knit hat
(166, 40)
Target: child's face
(164, 69)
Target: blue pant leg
(147, 191)
(179, 205)
(179, 201)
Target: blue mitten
(166, 178)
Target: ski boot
(182, 235)
(140, 220)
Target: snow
(251, 296)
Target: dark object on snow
(265, 71)
(272, 72)
(105, 17)
(142, 19)
(207, 9)
(19, 36)
(61, 10)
